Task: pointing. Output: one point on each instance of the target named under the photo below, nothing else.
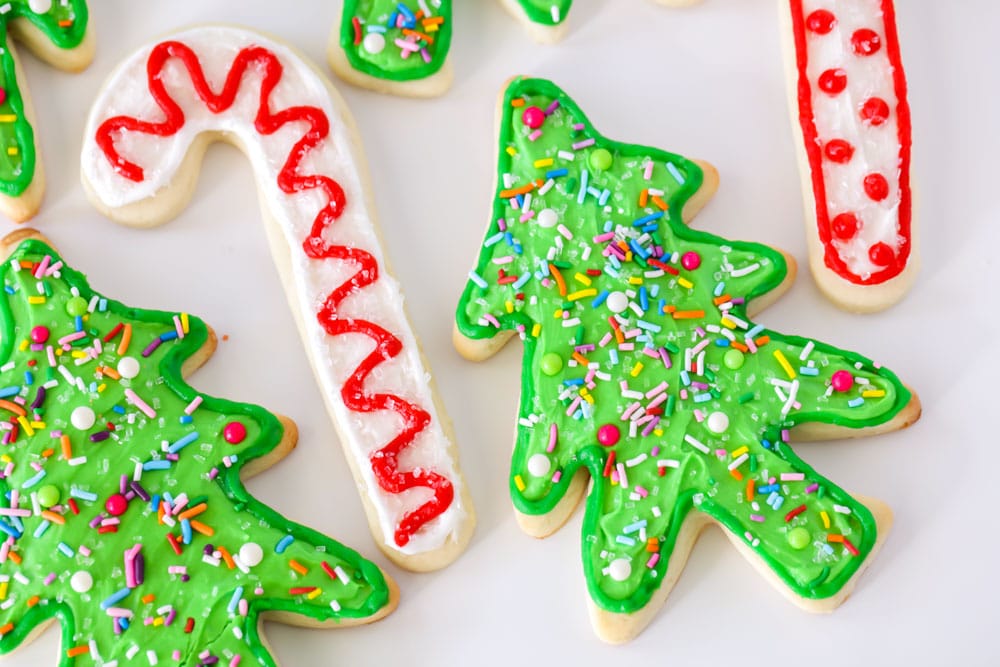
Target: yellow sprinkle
(28, 431)
(737, 453)
(873, 393)
(826, 518)
(184, 322)
(511, 151)
(628, 257)
(519, 483)
(728, 323)
(24, 345)
(3, 590)
(158, 621)
(12, 150)
(685, 283)
(509, 305)
(536, 330)
(59, 352)
(579, 277)
(101, 387)
(315, 594)
(7, 118)
(37, 425)
(78, 354)
(544, 162)
(784, 364)
(589, 399)
(582, 294)
(559, 313)
(657, 432)
(635, 280)
(6, 458)
(36, 300)
(637, 369)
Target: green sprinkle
(746, 398)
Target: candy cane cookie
(58, 33)
(394, 46)
(847, 95)
(145, 138)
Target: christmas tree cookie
(57, 32)
(644, 371)
(546, 19)
(122, 509)
(394, 47)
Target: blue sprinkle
(722, 342)
(685, 378)
(120, 409)
(80, 494)
(12, 390)
(39, 476)
(66, 549)
(778, 503)
(9, 289)
(493, 240)
(675, 173)
(702, 398)
(284, 543)
(770, 488)
(627, 541)
(573, 382)
(29, 378)
(648, 326)
(124, 623)
(719, 289)
(654, 290)
(235, 600)
(604, 197)
(116, 598)
(186, 419)
(102, 305)
(651, 227)
(584, 179)
(638, 249)
(508, 238)
(78, 322)
(186, 531)
(474, 277)
(170, 335)
(183, 442)
(517, 248)
(647, 219)
(161, 464)
(809, 370)
(42, 527)
(601, 298)
(634, 527)
(155, 502)
(613, 353)
(608, 226)
(855, 402)
(522, 281)
(661, 306)
(753, 332)
(643, 299)
(556, 173)
(766, 444)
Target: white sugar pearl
(128, 367)
(718, 422)
(617, 302)
(620, 569)
(81, 581)
(40, 6)
(82, 418)
(251, 554)
(374, 42)
(539, 465)
(548, 218)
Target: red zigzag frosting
(384, 461)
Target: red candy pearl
(845, 226)
(839, 151)
(866, 42)
(39, 334)
(234, 433)
(881, 254)
(3, 95)
(876, 187)
(691, 260)
(116, 505)
(533, 117)
(842, 381)
(608, 435)
(875, 111)
(821, 21)
(833, 81)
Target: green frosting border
(229, 478)
(442, 45)
(592, 458)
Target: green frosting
(546, 12)
(65, 24)
(637, 311)
(377, 21)
(40, 564)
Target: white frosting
(876, 148)
(337, 357)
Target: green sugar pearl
(798, 538)
(76, 306)
(48, 495)
(552, 363)
(733, 360)
(601, 159)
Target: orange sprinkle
(230, 563)
(126, 339)
(13, 407)
(750, 490)
(721, 299)
(25, 264)
(660, 204)
(619, 336)
(835, 539)
(652, 545)
(193, 511)
(7, 628)
(523, 190)
(110, 372)
(148, 598)
(438, 20)
(77, 650)
(669, 309)
(297, 566)
(418, 35)
(737, 475)
(559, 279)
(199, 527)
(53, 517)
(517, 102)
(66, 23)
(159, 514)
(762, 341)
(48, 452)
(33, 600)
(689, 314)
(67, 448)
(580, 359)
(739, 346)
(14, 556)
(644, 198)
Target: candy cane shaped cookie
(144, 142)
(847, 94)
(59, 34)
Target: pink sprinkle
(84, 550)
(602, 238)
(557, 476)
(553, 438)
(49, 579)
(176, 655)
(648, 171)
(244, 606)
(812, 488)
(641, 491)
(699, 416)
(141, 404)
(76, 335)
(502, 225)
(235, 661)
(757, 517)
(653, 560)
(655, 451)
(535, 135)
(193, 405)
(583, 144)
(426, 55)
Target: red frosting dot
(876, 187)
(608, 435)
(866, 42)
(842, 381)
(845, 226)
(839, 151)
(533, 117)
(691, 260)
(833, 81)
(234, 433)
(821, 21)
(116, 505)
(39, 334)
(881, 254)
(875, 111)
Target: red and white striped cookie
(852, 124)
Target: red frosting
(384, 462)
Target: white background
(705, 82)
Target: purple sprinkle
(123, 484)
(551, 109)
(100, 436)
(39, 399)
(139, 491)
(152, 347)
(140, 569)
(185, 578)
(96, 521)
